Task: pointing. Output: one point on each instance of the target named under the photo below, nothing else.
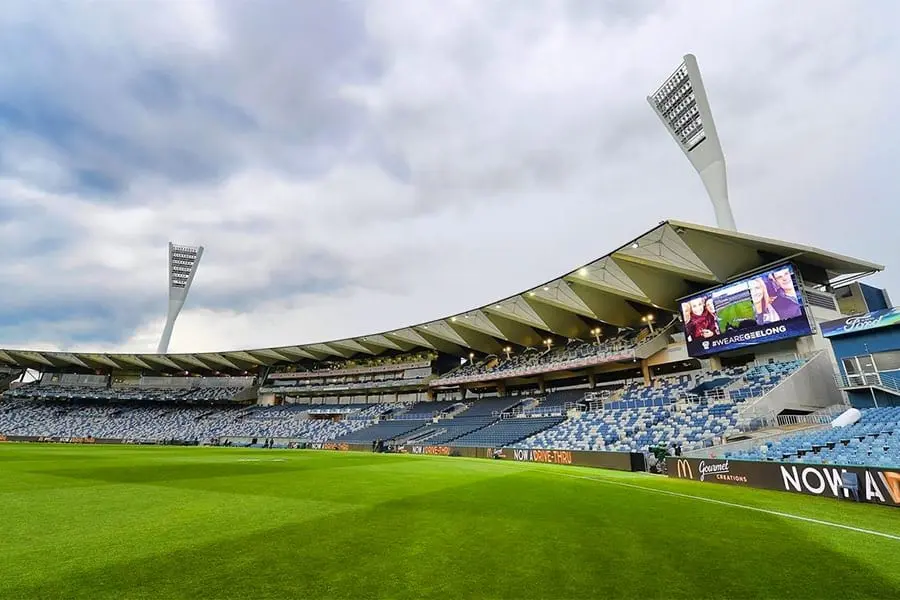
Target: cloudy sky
(358, 166)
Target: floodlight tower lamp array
(183, 263)
(683, 107)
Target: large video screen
(763, 308)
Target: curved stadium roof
(646, 275)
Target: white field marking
(262, 460)
(889, 536)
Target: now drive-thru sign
(875, 485)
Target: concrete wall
(810, 388)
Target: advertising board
(431, 450)
(874, 485)
(765, 307)
(873, 320)
(620, 461)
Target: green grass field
(164, 522)
(733, 314)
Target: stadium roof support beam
(124, 363)
(244, 358)
(477, 321)
(664, 249)
(475, 339)
(444, 345)
(409, 335)
(441, 330)
(516, 308)
(382, 342)
(834, 264)
(190, 362)
(510, 330)
(270, 357)
(607, 307)
(162, 359)
(32, 358)
(99, 360)
(6, 358)
(326, 351)
(352, 346)
(607, 275)
(559, 294)
(298, 353)
(662, 287)
(131, 360)
(371, 348)
(71, 359)
(722, 256)
(219, 361)
(561, 322)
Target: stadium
(700, 412)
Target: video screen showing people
(762, 308)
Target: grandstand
(595, 360)
(874, 440)
(669, 413)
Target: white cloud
(437, 158)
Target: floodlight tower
(183, 262)
(683, 107)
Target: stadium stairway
(809, 387)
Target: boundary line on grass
(767, 511)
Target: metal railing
(605, 352)
(811, 419)
(886, 381)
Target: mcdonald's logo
(683, 469)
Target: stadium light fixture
(682, 106)
(649, 321)
(596, 331)
(508, 351)
(183, 263)
(548, 342)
